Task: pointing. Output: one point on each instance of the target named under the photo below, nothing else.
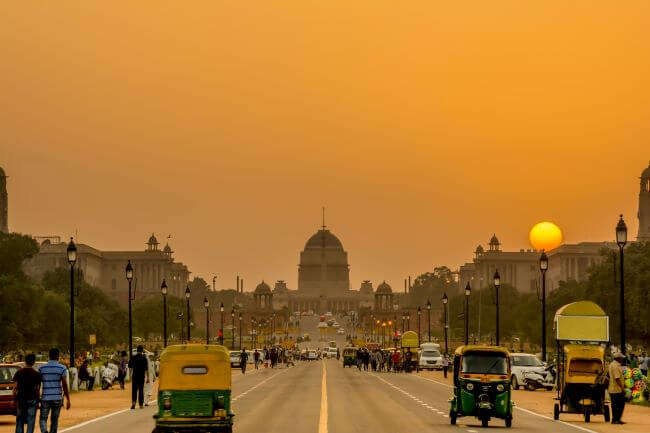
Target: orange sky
(423, 126)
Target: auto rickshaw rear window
(585, 366)
(485, 363)
(195, 370)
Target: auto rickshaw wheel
(484, 422)
(606, 413)
(452, 417)
(556, 412)
(514, 383)
(587, 414)
(508, 421)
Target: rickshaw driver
(616, 388)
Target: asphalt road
(322, 397)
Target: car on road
(312, 355)
(7, 403)
(330, 352)
(523, 363)
(341, 331)
(235, 358)
(430, 357)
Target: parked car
(235, 358)
(523, 363)
(7, 403)
(430, 357)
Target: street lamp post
(129, 277)
(497, 284)
(272, 328)
(240, 331)
(408, 321)
(429, 318)
(163, 291)
(543, 266)
(445, 301)
(206, 304)
(377, 327)
(621, 240)
(187, 302)
(72, 259)
(221, 329)
(419, 314)
(232, 324)
(383, 335)
(403, 322)
(468, 292)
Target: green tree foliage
(14, 250)
(148, 316)
(431, 286)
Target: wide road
(322, 396)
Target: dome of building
(167, 249)
(323, 237)
(479, 250)
(2, 173)
(494, 240)
(152, 240)
(644, 175)
(262, 288)
(384, 289)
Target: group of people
(379, 360)
(275, 355)
(616, 381)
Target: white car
(430, 357)
(341, 331)
(521, 363)
(235, 358)
(331, 352)
(312, 355)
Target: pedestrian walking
(445, 365)
(359, 359)
(54, 387)
(243, 359)
(396, 361)
(366, 359)
(139, 374)
(256, 359)
(616, 388)
(121, 369)
(85, 375)
(28, 386)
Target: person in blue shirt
(54, 386)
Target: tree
(14, 250)
(431, 286)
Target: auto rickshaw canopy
(195, 367)
(349, 351)
(481, 348)
(410, 339)
(581, 321)
(583, 363)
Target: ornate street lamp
(445, 301)
(232, 324)
(621, 240)
(408, 321)
(188, 293)
(163, 291)
(129, 277)
(543, 267)
(497, 284)
(419, 314)
(206, 304)
(383, 335)
(221, 330)
(240, 331)
(403, 321)
(72, 259)
(468, 292)
(429, 317)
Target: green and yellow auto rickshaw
(194, 393)
(481, 384)
(350, 356)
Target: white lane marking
(259, 384)
(322, 421)
(472, 431)
(530, 412)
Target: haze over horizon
(423, 128)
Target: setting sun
(545, 236)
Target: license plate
(6, 392)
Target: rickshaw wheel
(606, 413)
(587, 415)
(514, 382)
(452, 417)
(484, 422)
(508, 421)
(556, 412)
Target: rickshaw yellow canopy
(195, 367)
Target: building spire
(324, 218)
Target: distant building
(105, 269)
(4, 203)
(644, 207)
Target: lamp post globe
(72, 259)
(621, 240)
(497, 284)
(163, 291)
(188, 294)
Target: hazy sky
(422, 126)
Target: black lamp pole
(187, 303)
(543, 266)
(419, 314)
(206, 304)
(129, 278)
(445, 301)
(468, 292)
(240, 341)
(232, 324)
(221, 336)
(408, 321)
(403, 322)
(163, 290)
(429, 317)
(621, 240)
(497, 284)
(72, 259)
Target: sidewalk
(541, 402)
(85, 405)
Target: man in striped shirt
(54, 386)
